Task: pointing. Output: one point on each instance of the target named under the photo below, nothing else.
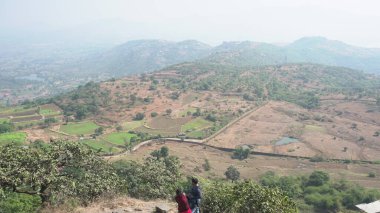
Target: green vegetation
(196, 124)
(244, 196)
(130, 125)
(139, 116)
(232, 173)
(87, 127)
(156, 177)
(61, 171)
(20, 203)
(120, 138)
(84, 101)
(6, 127)
(241, 153)
(318, 192)
(12, 137)
(101, 146)
(49, 112)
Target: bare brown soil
(193, 157)
(337, 130)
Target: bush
(20, 203)
(153, 114)
(372, 174)
(243, 197)
(206, 165)
(316, 158)
(318, 178)
(154, 178)
(241, 153)
(139, 116)
(232, 173)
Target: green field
(130, 125)
(49, 112)
(196, 134)
(120, 138)
(196, 124)
(16, 137)
(82, 128)
(12, 109)
(2, 120)
(103, 146)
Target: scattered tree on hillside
(99, 131)
(139, 116)
(169, 111)
(241, 153)
(206, 165)
(6, 127)
(161, 153)
(232, 173)
(318, 178)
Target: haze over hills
(148, 55)
(35, 70)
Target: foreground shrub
(56, 172)
(244, 197)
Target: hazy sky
(352, 21)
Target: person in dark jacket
(183, 204)
(195, 196)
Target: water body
(286, 140)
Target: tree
(318, 178)
(49, 121)
(245, 197)
(241, 153)
(64, 169)
(6, 127)
(211, 117)
(154, 178)
(232, 173)
(99, 131)
(139, 116)
(169, 111)
(153, 114)
(206, 165)
(161, 153)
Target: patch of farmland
(130, 125)
(169, 132)
(79, 128)
(103, 146)
(12, 137)
(26, 118)
(193, 156)
(163, 122)
(120, 138)
(196, 124)
(19, 113)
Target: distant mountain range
(148, 55)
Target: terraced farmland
(82, 128)
(13, 137)
(120, 138)
(102, 146)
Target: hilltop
(57, 68)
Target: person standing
(195, 196)
(183, 204)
